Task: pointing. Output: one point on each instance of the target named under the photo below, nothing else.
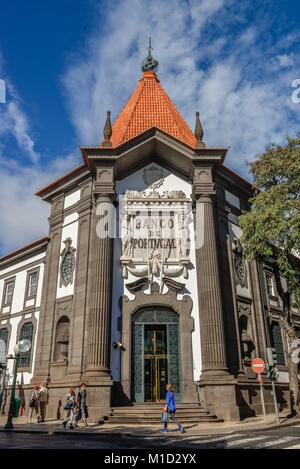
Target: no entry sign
(258, 365)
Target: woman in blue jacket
(171, 408)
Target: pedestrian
(170, 408)
(81, 405)
(34, 404)
(70, 406)
(44, 400)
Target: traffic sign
(258, 365)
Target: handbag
(32, 403)
(67, 406)
(165, 417)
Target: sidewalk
(252, 424)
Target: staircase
(150, 413)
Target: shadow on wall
(119, 398)
(245, 409)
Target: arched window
(26, 333)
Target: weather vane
(149, 64)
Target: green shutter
(277, 344)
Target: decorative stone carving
(239, 263)
(154, 194)
(244, 311)
(62, 340)
(152, 174)
(67, 265)
(146, 247)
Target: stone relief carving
(239, 263)
(245, 329)
(146, 248)
(62, 340)
(152, 174)
(67, 265)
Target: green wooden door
(155, 354)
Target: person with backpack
(81, 405)
(171, 409)
(70, 406)
(34, 404)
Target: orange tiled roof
(149, 106)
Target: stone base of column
(233, 401)
(216, 374)
(97, 373)
(189, 392)
(98, 399)
(40, 378)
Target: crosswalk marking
(245, 441)
(293, 447)
(212, 440)
(235, 441)
(278, 442)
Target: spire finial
(107, 132)
(149, 64)
(199, 132)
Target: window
(277, 343)
(4, 337)
(32, 284)
(26, 333)
(232, 199)
(9, 293)
(270, 285)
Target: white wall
(17, 307)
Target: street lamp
(22, 346)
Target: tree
(271, 230)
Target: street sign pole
(2, 385)
(262, 398)
(258, 366)
(275, 402)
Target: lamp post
(22, 346)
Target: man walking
(81, 404)
(44, 399)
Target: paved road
(284, 438)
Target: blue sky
(66, 62)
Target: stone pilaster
(210, 303)
(98, 357)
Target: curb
(105, 434)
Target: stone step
(150, 413)
(140, 420)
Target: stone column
(99, 326)
(209, 292)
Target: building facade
(142, 279)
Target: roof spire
(149, 64)
(107, 131)
(199, 132)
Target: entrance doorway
(155, 362)
(155, 354)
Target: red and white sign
(258, 365)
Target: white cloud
(23, 217)
(14, 121)
(285, 60)
(230, 80)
